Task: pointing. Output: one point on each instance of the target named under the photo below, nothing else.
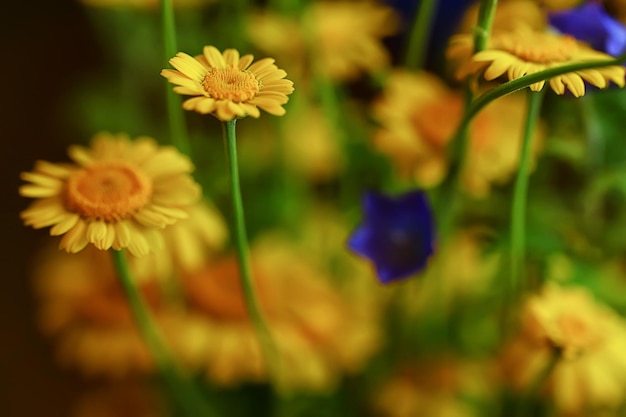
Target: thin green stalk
(520, 194)
(527, 80)
(448, 201)
(184, 391)
(420, 34)
(486, 13)
(178, 129)
(268, 347)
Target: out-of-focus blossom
(117, 194)
(557, 5)
(522, 51)
(419, 114)
(397, 234)
(339, 39)
(435, 387)
(321, 332)
(187, 245)
(591, 24)
(589, 340)
(83, 307)
(311, 145)
(227, 85)
(509, 15)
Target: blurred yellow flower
(320, 331)
(227, 85)
(339, 39)
(188, 244)
(433, 387)
(589, 339)
(311, 145)
(419, 114)
(82, 305)
(509, 14)
(555, 5)
(118, 194)
(522, 51)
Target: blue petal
(590, 23)
(397, 234)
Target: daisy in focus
(590, 341)
(522, 51)
(117, 194)
(227, 85)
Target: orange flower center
(217, 291)
(540, 49)
(436, 121)
(231, 84)
(108, 191)
(574, 334)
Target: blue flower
(590, 23)
(397, 234)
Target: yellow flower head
(117, 194)
(521, 52)
(419, 114)
(339, 39)
(187, 244)
(227, 85)
(431, 387)
(319, 330)
(590, 340)
(82, 305)
(509, 14)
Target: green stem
(420, 34)
(520, 193)
(486, 13)
(268, 347)
(184, 391)
(178, 129)
(527, 80)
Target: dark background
(45, 45)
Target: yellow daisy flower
(117, 194)
(187, 244)
(590, 340)
(340, 39)
(320, 331)
(227, 85)
(418, 115)
(82, 305)
(522, 51)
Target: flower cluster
(432, 227)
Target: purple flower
(397, 234)
(590, 23)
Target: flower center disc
(108, 191)
(230, 84)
